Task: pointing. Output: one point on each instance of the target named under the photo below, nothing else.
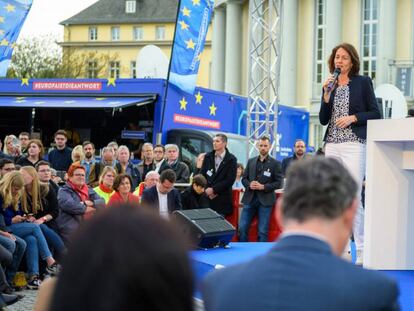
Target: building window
(115, 33)
(92, 69)
(160, 33)
(133, 69)
(93, 33)
(369, 37)
(114, 70)
(320, 61)
(130, 6)
(138, 33)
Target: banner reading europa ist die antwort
(191, 29)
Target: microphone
(331, 84)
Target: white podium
(389, 195)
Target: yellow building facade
(114, 43)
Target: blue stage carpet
(205, 261)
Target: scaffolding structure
(265, 26)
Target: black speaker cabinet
(204, 227)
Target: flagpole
(164, 102)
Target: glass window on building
(133, 69)
(93, 33)
(115, 33)
(138, 33)
(130, 6)
(369, 37)
(160, 33)
(114, 69)
(92, 69)
(320, 60)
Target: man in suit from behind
(219, 168)
(163, 196)
(262, 176)
(304, 271)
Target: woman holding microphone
(348, 102)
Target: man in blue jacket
(304, 270)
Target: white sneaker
(359, 257)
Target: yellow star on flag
(184, 26)
(4, 42)
(186, 12)
(183, 104)
(196, 2)
(25, 81)
(111, 81)
(100, 98)
(213, 109)
(198, 97)
(9, 8)
(1, 19)
(190, 44)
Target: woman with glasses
(76, 201)
(12, 207)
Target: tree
(42, 57)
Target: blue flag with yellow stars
(12, 16)
(190, 35)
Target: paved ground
(26, 303)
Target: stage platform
(205, 261)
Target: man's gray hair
(151, 173)
(317, 187)
(171, 146)
(123, 147)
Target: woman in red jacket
(122, 194)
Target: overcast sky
(45, 15)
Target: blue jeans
(36, 244)
(248, 213)
(17, 248)
(54, 241)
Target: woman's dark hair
(125, 259)
(118, 180)
(352, 53)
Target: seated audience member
(44, 171)
(151, 179)
(76, 200)
(238, 182)
(163, 197)
(122, 191)
(114, 146)
(108, 159)
(194, 197)
(12, 147)
(152, 265)
(77, 154)
(106, 182)
(148, 162)
(127, 166)
(42, 209)
(11, 191)
(35, 152)
(299, 153)
(61, 156)
(180, 169)
(159, 159)
(304, 270)
(6, 166)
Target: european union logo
(190, 35)
(12, 16)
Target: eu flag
(193, 20)
(12, 16)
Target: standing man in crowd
(147, 164)
(128, 167)
(61, 156)
(220, 168)
(262, 176)
(89, 161)
(304, 271)
(24, 138)
(164, 196)
(159, 157)
(299, 153)
(180, 168)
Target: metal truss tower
(264, 71)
